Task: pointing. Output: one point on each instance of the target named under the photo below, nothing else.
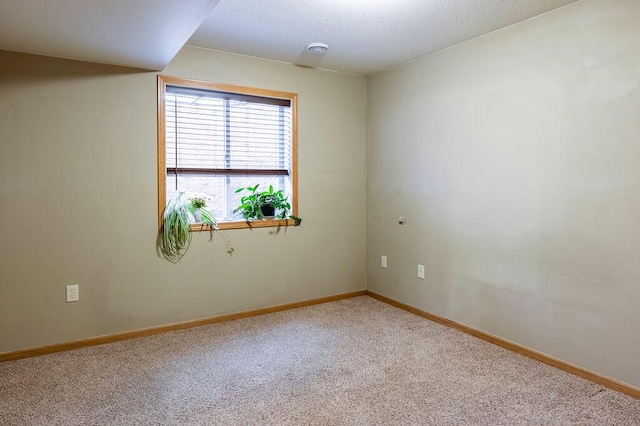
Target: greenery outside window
(215, 138)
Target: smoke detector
(318, 48)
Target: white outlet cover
(73, 293)
(383, 262)
(421, 272)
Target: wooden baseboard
(514, 347)
(522, 350)
(93, 341)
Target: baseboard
(101, 340)
(514, 347)
(522, 350)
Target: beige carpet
(351, 362)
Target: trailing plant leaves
(208, 219)
(176, 236)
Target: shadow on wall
(17, 68)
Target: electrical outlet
(73, 293)
(421, 272)
(383, 262)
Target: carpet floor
(351, 362)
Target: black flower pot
(268, 210)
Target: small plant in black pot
(265, 204)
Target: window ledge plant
(269, 204)
(176, 226)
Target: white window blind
(217, 138)
(218, 133)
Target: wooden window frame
(163, 82)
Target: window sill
(264, 223)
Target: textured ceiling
(141, 33)
(366, 36)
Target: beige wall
(78, 201)
(516, 160)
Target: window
(215, 138)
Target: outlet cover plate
(73, 293)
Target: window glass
(215, 138)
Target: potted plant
(176, 227)
(197, 204)
(257, 205)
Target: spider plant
(176, 233)
(176, 236)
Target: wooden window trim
(163, 81)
